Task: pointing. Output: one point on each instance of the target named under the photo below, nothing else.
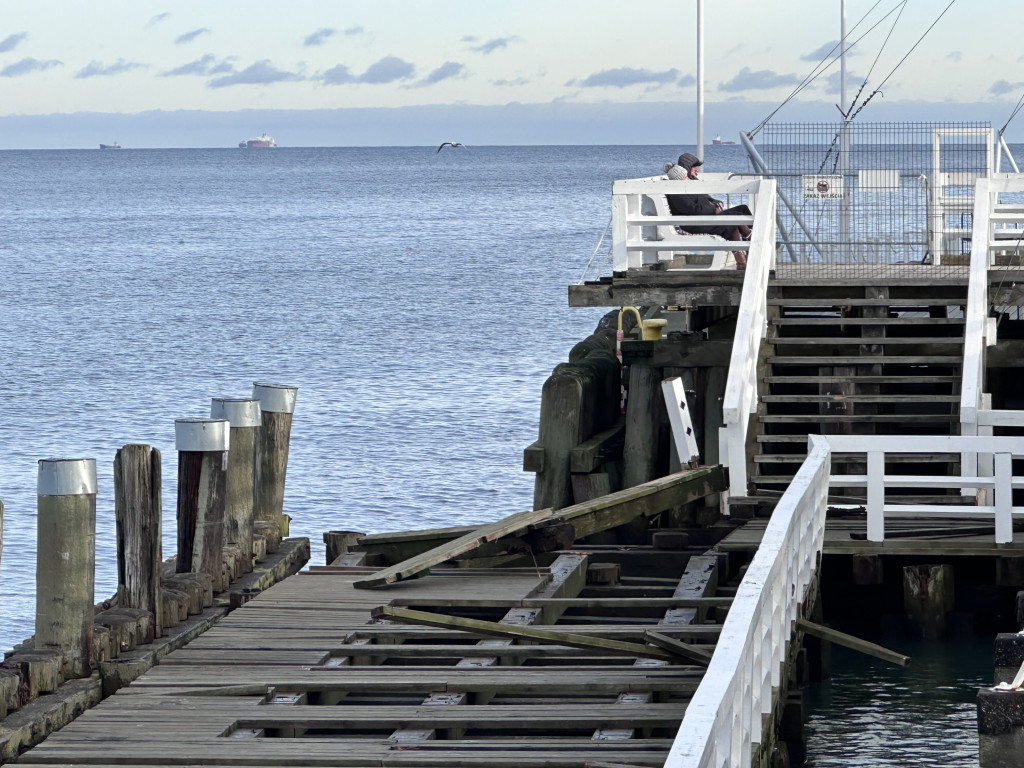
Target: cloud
(353, 31)
(1003, 87)
(99, 69)
(469, 38)
(27, 66)
(623, 77)
(516, 82)
(829, 51)
(157, 19)
(207, 65)
(686, 80)
(386, 70)
(338, 75)
(260, 73)
(760, 80)
(319, 37)
(491, 45)
(188, 37)
(446, 71)
(10, 42)
(954, 55)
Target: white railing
(998, 482)
(740, 398)
(990, 220)
(641, 230)
(724, 719)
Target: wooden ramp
(304, 675)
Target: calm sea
(417, 300)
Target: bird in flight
(449, 144)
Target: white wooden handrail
(638, 237)
(740, 398)
(979, 331)
(724, 719)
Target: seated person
(705, 205)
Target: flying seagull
(449, 144)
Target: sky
(135, 58)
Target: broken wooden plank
(476, 626)
(684, 650)
(588, 517)
(854, 643)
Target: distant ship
(115, 145)
(718, 140)
(266, 140)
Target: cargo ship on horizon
(266, 140)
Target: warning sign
(823, 187)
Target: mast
(700, 79)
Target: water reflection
(875, 714)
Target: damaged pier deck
(586, 655)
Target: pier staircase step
(849, 357)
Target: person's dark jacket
(690, 205)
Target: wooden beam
(592, 453)
(475, 626)
(684, 650)
(849, 641)
(587, 517)
(566, 602)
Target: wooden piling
(66, 561)
(639, 453)
(927, 598)
(245, 419)
(202, 476)
(277, 404)
(138, 509)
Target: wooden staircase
(847, 357)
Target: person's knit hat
(688, 161)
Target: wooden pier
(586, 655)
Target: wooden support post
(277, 404)
(202, 476)
(66, 561)
(137, 507)
(640, 450)
(927, 598)
(246, 420)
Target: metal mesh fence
(875, 197)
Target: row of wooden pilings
(230, 512)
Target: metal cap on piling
(275, 398)
(66, 477)
(239, 411)
(201, 434)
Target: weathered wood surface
(202, 477)
(303, 675)
(240, 491)
(65, 579)
(138, 510)
(846, 536)
(587, 518)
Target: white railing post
(876, 496)
(619, 233)
(1004, 498)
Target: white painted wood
(724, 719)
(876, 496)
(1004, 498)
(740, 398)
(680, 421)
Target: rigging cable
(596, 248)
(823, 66)
(900, 63)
